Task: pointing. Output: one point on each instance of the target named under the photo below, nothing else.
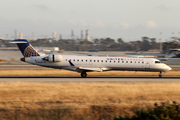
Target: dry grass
(20, 94)
(54, 72)
(119, 98)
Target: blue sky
(127, 19)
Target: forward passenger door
(147, 64)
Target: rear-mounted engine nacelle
(53, 58)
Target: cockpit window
(158, 62)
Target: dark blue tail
(25, 47)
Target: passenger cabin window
(97, 60)
(66, 59)
(101, 60)
(122, 61)
(142, 62)
(106, 60)
(94, 60)
(126, 61)
(158, 62)
(78, 60)
(131, 62)
(86, 60)
(114, 61)
(82, 60)
(74, 60)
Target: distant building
(72, 35)
(20, 35)
(60, 37)
(42, 36)
(153, 39)
(47, 49)
(82, 37)
(87, 35)
(7, 37)
(145, 38)
(54, 35)
(49, 40)
(77, 41)
(92, 39)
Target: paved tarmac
(22, 67)
(88, 79)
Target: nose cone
(168, 68)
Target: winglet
(71, 63)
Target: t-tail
(25, 47)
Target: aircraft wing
(80, 68)
(89, 69)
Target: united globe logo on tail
(30, 52)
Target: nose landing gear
(83, 74)
(160, 74)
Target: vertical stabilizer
(25, 47)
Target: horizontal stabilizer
(18, 41)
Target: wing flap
(90, 69)
(80, 69)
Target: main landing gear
(160, 74)
(83, 74)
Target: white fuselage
(93, 63)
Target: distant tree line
(102, 44)
(174, 43)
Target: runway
(27, 66)
(88, 79)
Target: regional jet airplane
(84, 64)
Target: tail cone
(22, 59)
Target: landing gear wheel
(83, 75)
(160, 76)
